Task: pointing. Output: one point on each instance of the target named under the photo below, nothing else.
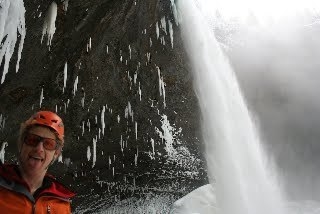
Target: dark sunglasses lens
(33, 140)
(49, 144)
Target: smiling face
(34, 160)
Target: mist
(277, 63)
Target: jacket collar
(10, 173)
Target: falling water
(236, 162)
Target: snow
(2, 151)
(12, 21)
(41, 97)
(49, 27)
(65, 76)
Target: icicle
(11, 24)
(148, 57)
(152, 144)
(121, 144)
(135, 77)
(83, 97)
(94, 148)
(159, 79)
(139, 91)
(88, 153)
(164, 24)
(60, 158)
(65, 5)
(2, 151)
(41, 97)
(136, 157)
(175, 12)
(82, 128)
(102, 119)
(129, 51)
(88, 125)
(65, 76)
(118, 118)
(163, 92)
(171, 33)
(136, 129)
(49, 27)
(75, 86)
(150, 42)
(157, 30)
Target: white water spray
(236, 161)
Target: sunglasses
(33, 140)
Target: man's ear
(57, 153)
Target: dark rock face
(131, 116)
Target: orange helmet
(48, 119)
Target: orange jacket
(15, 196)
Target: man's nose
(39, 146)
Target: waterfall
(237, 164)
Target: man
(27, 188)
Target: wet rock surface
(131, 116)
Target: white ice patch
(164, 24)
(157, 30)
(65, 76)
(102, 119)
(130, 51)
(171, 32)
(83, 98)
(2, 151)
(41, 97)
(12, 24)
(94, 149)
(168, 135)
(88, 153)
(2, 121)
(75, 86)
(49, 26)
(162, 91)
(65, 5)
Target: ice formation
(12, 24)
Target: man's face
(36, 159)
